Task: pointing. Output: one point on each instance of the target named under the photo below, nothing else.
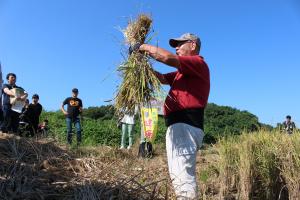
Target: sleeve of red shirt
(192, 66)
(170, 77)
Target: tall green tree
(222, 121)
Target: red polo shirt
(190, 85)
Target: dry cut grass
(261, 165)
(253, 166)
(32, 169)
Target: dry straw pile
(139, 82)
(43, 170)
(261, 165)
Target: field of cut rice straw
(31, 169)
(262, 165)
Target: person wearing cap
(34, 112)
(288, 125)
(11, 117)
(74, 110)
(183, 107)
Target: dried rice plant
(137, 31)
(139, 81)
(44, 170)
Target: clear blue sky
(251, 47)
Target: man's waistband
(193, 117)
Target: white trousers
(182, 143)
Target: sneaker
(122, 147)
(129, 147)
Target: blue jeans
(77, 125)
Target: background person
(34, 112)
(127, 125)
(25, 108)
(74, 110)
(183, 108)
(43, 127)
(288, 125)
(24, 123)
(24, 114)
(10, 117)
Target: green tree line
(99, 125)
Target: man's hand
(23, 98)
(134, 48)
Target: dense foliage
(100, 126)
(224, 120)
(103, 112)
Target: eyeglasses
(183, 42)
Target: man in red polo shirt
(183, 108)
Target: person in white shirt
(127, 125)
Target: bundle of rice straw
(139, 82)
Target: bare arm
(63, 109)
(8, 92)
(24, 97)
(161, 55)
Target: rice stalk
(228, 165)
(139, 83)
(137, 30)
(245, 169)
(290, 165)
(260, 165)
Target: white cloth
(182, 143)
(128, 119)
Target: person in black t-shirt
(10, 117)
(34, 112)
(74, 110)
(288, 125)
